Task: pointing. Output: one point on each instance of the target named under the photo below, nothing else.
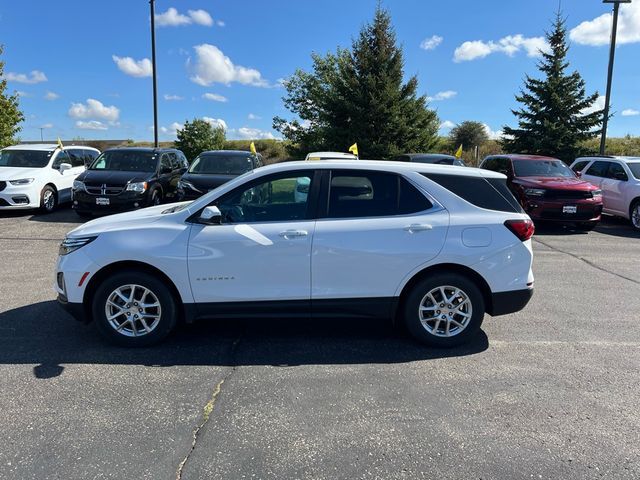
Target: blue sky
(82, 66)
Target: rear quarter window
(489, 193)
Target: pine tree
(10, 114)
(469, 134)
(199, 136)
(552, 120)
(358, 95)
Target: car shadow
(44, 335)
(60, 215)
(609, 225)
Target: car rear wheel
(444, 310)
(635, 215)
(134, 309)
(48, 199)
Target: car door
(63, 180)
(375, 228)
(262, 250)
(165, 173)
(595, 175)
(614, 187)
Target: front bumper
(503, 303)
(126, 201)
(587, 210)
(19, 197)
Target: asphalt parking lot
(550, 392)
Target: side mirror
(64, 167)
(210, 216)
(579, 174)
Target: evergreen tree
(199, 136)
(10, 114)
(552, 120)
(359, 95)
(469, 134)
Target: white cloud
(201, 17)
(598, 31)
(173, 18)
(597, 105)
(493, 134)
(431, 43)
(172, 97)
(447, 125)
(220, 23)
(94, 109)
(213, 66)
(134, 68)
(51, 96)
(36, 76)
(171, 129)
(253, 116)
(216, 122)
(22, 93)
(47, 125)
(446, 95)
(214, 97)
(246, 133)
(91, 125)
(630, 112)
(509, 45)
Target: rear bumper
(503, 303)
(76, 310)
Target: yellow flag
(252, 147)
(60, 144)
(354, 149)
(459, 151)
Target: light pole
(153, 65)
(612, 54)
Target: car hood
(16, 173)
(113, 177)
(564, 183)
(137, 219)
(206, 182)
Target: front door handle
(418, 227)
(293, 233)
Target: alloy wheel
(635, 216)
(133, 310)
(445, 311)
(48, 200)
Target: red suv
(548, 190)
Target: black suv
(211, 169)
(123, 179)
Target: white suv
(40, 176)
(619, 180)
(434, 246)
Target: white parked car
(434, 246)
(302, 185)
(619, 180)
(40, 176)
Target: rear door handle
(418, 227)
(293, 233)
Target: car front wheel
(48, 199)
(444, 310)
(635, 215)
(134, 309)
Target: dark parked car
(548, 189)
(213, 168)
(439, 158)
(122, 179)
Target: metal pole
(41, 137)
(153, 63)
(607, 99)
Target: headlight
(22, 181)
(183, 184)
(534, 192)
(78, 185)
(71, 244)
(596, 193)
(139, 187)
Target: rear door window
(616, 172)
(598, 169)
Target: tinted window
(165, 163)
(354, 193)
(62, 157)
(598, 169)
(616, 171)
(90, 156)
(490, 163)
(126, 161)
(635, 169)
(272, 200)
(541, 168)
(77, 157)
(24, 158)
(222, 164)
(173, 158)
(578, 167)
(489, 193)
(183, 160)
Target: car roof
(226, 152)
(520, 156)
(141, 149)
(331, 154)
(429, 155)
(610, 157)
(47, 147)
(382, 165)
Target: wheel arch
(447, 268)
(632, 203)
(116, 267)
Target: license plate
(102, 201)
(570, 209)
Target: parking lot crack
(588, 262)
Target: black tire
(168, 309)
(634, 206)
(48, 199)
(586, 226)
(155, 198)
(420, 291)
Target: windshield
(221, 165)
(635, 169)
(541, 168)
(126, 161)
(25, 158)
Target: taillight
(523, 229)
